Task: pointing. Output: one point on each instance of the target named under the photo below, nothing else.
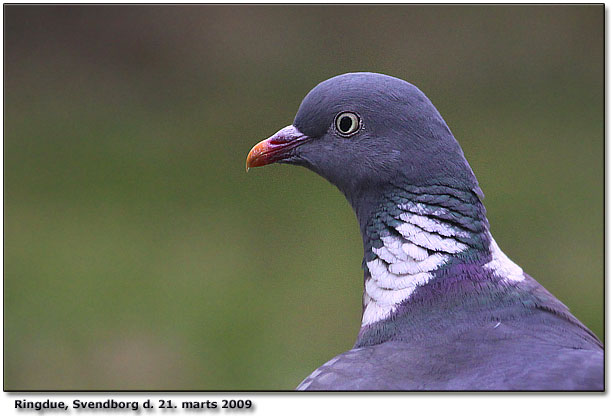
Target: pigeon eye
(347, 123)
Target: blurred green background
(139, 254)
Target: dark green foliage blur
(139, 254)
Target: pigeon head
(365, 133)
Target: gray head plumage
(400, 138)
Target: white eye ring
(347, 123)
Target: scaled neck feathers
(417, 235)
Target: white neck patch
(502, 266)
(408, 261)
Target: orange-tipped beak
(277, 148)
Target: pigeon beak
(277, 148)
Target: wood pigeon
(443, 307)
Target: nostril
(280, 140)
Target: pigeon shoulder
(500, 356)
(359, 369)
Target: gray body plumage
(490, 348)
(509, 357)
